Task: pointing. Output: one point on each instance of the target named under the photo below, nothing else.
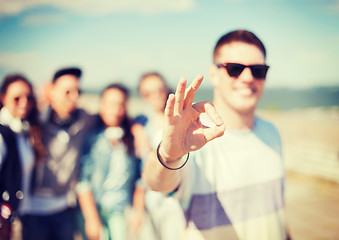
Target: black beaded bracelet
(159, 158)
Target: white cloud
(98, 7)
(44, 19)
(329, 6)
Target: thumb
(214, 132)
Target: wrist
(138, 211)
(171, 164)
(165, 157)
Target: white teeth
(245, 91)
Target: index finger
(192, 89)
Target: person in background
(20, 149)
(65, 126)
(233, 186)
(165, 213)
(109, 168)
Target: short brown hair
(239, 36)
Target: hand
(183, 131)
(141, 142)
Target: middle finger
(179, 96)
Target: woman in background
(20, 149)
(108, 171)
(165, 212)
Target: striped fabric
(233, 187)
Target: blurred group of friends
(67, 174)
(75, 172)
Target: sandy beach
(311, 153)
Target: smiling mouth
(247, 91)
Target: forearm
(93, 225)
(139, 199)
(88, 206)
(159, 178)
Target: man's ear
(213, 72)
(50, 92)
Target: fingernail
(219, 121)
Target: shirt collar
(15, 124)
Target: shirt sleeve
(141, 119)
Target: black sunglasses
(235, 69)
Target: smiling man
(64, 129)
(233, 186)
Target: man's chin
(247, 105)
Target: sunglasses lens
(234, 69)
(259, 71)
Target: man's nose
(246, 75)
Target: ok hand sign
(183, 131)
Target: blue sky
(121, 39)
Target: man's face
(154, 92)
(241, 93)
(64, 95)
(112, 107)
